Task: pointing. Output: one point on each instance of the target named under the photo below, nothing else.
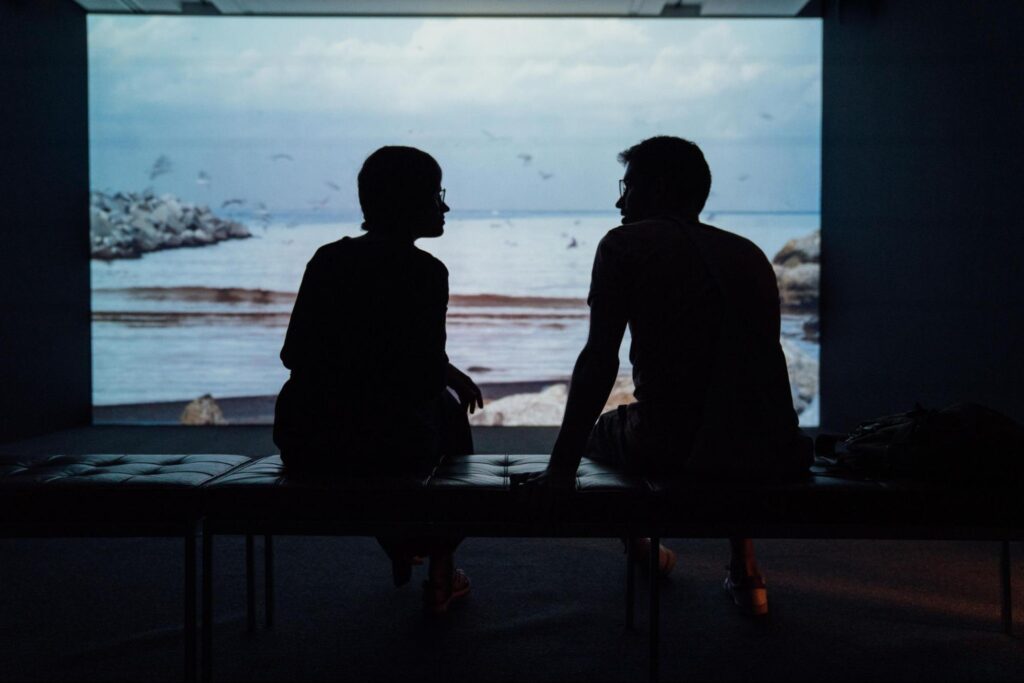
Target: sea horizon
(177, 324)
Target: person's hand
(465, 388)
(540, 492)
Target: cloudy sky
(522, 114)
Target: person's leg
(744, 582)
(615, 442)
(742, 561)
(445, 582)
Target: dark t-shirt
(366, 348)
(703, 311)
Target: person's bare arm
(592, 380)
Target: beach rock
(161, 214)
(812, 329)
(237, 230)
(806, 249)
(803, 375)
(100, 222)
(542, 408)
(203, 411)
(127, 225)
(799, 287)
(798, 273)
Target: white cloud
(594, 69)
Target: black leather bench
(169, 495)
(113, 495)
(472, 496)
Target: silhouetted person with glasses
(366, 349)
(712, 389)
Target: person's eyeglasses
(623, 186)
(440, 195)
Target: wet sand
(260, 409)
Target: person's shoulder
(731, 242)
(648, 228)
(621, 235)
(643, 234)
(429, 261)
(330, 253)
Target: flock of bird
(163, 166)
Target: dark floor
(110, 609)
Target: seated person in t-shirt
(366, 349)
(712, 389)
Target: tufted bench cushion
(262, 491)
(474, 491)
(824, 505)
(85, 489)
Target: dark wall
(923, 168)
(922, 228)
(44, 204)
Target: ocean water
(180, 323)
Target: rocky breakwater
(798, 274)
(129, 224)
(798, 271)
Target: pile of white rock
(129, 224)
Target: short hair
(393, 178)
(680, 162)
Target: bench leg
(655, 581)
(268, 578)
(206, 662)
(630, 583)
(250, 583)
(1006, 585)
(190, 603)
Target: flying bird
(766, 116)
(527, 158)
(203, 179)
(161, 166)
(334, 186)
(491, 136)
(282, 157)
(228, 202)
(545, 176)
(573, 244)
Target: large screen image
(224, 151)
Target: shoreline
(241, 410)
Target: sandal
(749, 593)
(437, 597)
